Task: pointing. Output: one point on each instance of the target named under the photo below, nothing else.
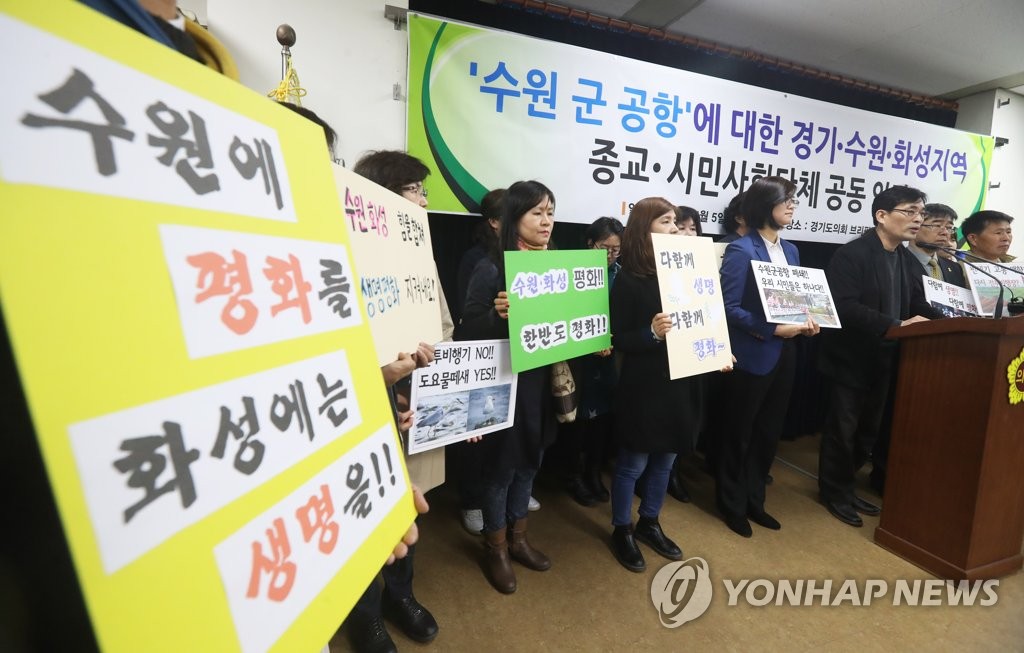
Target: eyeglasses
(941, 227)
(609, 248)
(792, 202)
(415, 189)
(913, 214)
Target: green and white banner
(487, 108)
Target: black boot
(649, 532)
(592, 479)
(676, 489)
(368, 635)
(579, 491)
(625, 549)
(411, 618)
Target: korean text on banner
(558, 305)
(790, 293)
(605, 130)
(468, 390)
(391, 244)
(951, 300)
(985, 290)
(691, 294)
(207, 381)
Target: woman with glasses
(511, 457)
(765, 359)
(584, 441)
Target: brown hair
(637, 251)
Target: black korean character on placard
(67, 97)
(145, 463)
(248, 162)
(336, 287)
(289, 406)
(359, 503)
(175, 127)
(332, 393)
(250, 451)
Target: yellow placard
(180, 296)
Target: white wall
(347, 56)
(982, 114)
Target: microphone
(961, 255)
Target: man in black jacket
(876, 284)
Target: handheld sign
(985, 290)
(391, 244)
(204, 393)
(558, 305)
(951, 300)
(468, 390)
(692, 296)
(789, 293)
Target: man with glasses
(937, 229)
(876, 284)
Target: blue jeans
(506, 497)
(629, 466)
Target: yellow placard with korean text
(179, 291)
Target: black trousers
(750, 432)
(397, 583)
(852, 424)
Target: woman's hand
(501, 304)
(413, 534)
(397, 369)
(604, 353)
(811, 328)
(405, 420)
(424, 355)
(660, 325)
(728, 368)
(475, 439)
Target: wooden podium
(954, 492)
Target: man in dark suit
(937, 229)
(876, 284)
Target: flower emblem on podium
(1015, 375)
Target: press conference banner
(178, 290)
(487, 108)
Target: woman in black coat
(655, 418)
(511, 457)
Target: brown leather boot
(497, 565)
(523, 553)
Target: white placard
(151, 471)
(985, 290)
(468, 390)
(238, 290)
(789, 293)
(950, 299)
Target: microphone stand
(962, 255)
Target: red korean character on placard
(217, 276)
(285, 279)
(281, 571)
(315, 515)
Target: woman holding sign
(655, 417)
(510, 458)
(765, 358)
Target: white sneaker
(534, 505)
(473, 521)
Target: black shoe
(768, 480)
(370, 636)
(592, 479)
(845, 513)
(739, 525)
(676, 489)
(761, 518)
(625, 549)
(649, 532)
(579, 492)
(865, 507)
(412, 619)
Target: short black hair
(892, 197)
(684, 213)
(761, 199)
(936, 210)
(732, 211)
(603, 228)
(392, 169)
(976, 222)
